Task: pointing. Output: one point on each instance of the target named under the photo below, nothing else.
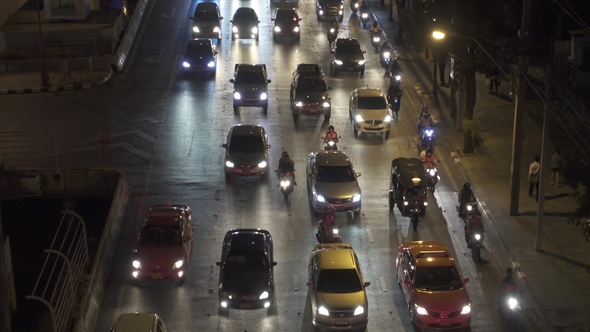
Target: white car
(369, 112)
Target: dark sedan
(245, 24)
(199, 57)
(246, 275)
(286, 23)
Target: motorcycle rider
(474, 223)
(326, 225)
(393, 68)
(286, 165)
(425, 120)
(507, 287)
(428, 158)
(331, 135)
(334, 24)
(465, 196)
(394, 91)
(363, 8)
(375, 28)
(386, 48)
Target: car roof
(429, 253)
(206, 6)
(245, 10)
(135, 322)
(353, 41)
(369, 92)
(200, 41)
(335, 256)
(247, 239)
(332, 158)
(408, 168)
(253, 67)
(164, 214)
(247, 130)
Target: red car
(164, 244)
(432, 286)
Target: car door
(406, 272)
(352, 105)
(313, 274)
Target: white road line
(383, 284)
(210, 284)
(295, 282)
(371, 239)
(291, 235)
(214, 236)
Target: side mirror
(232, 80)
(329, 87)
(268, 146)
(188, 238)
(274, 264)
(358, 174)
(367, 284)
(465, 281)
(272, 19)
(215, 53)
(310, 284)
(408, 283)
(364, 52)
(311, 175)
(332, 51)
(268, 81)
(221, 17)
(218, 263)
(224, 146)
(300, 19)
(232, 21)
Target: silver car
(369, 112)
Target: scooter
(427, 137)
(354, 6)
(476, 243)
(385, 59)
(376, 41)
(331, 144)
(432, 176)
(395, 103)
(465, 209)
(286, 183)
(332, 35)
(364, 19)
(509, 310)
(331, 237)
(395, 76)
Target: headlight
(469, 208)
(211, 64)
(321, 199)
(331, 143)
(229, 164)
(420, 310)
(321, 12)
(323, 311)
(263, 296)
(237, 95)
(216, 29)
(406, 203)
(186, 64)
(332, 30)
(429, 132)
(136, 264)
(234, 29)
(356, 5)
(296, 29)
(398, 77)
(262, 164)
(362, 62)
(298, 104)
(359, 310)
(376, 39)
(477, 237)
(340, 12)
(356, 198)
(387, 119)
(285, 183)
(335, 231)
(277, 29)
(195, 29)
(364, 15)
(432, 172)
(358, 118)
(466, 310)
(254, 30)
(178, 264)
(326, 104)
(263, 96)
(512, 303)
(338, 62)
(341, 6)
(425, 203)
(386, 55)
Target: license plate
(445, 323)
(157, 276)
(312, 110)
(341, 321)
(349, 68)
(245, 305)
(246, 172)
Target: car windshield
(437, 278)
(160, 236)
(246, 144)
(250, 77)
(339, 281)
(206, 17)
(246, 262)
(284, 16)
(335, 174)
(372, 103)
(348, 48)
(200, 50)
(311, 85)
(245, 16)
(330, 2)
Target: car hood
(311, 96)
(349, 57)
(246, 282)
(250, 87)
(441, 301)
(245, 23)
(347, 301)
(373, 114)
(285, 24)
(210, 25)
(342, 190)
(246, 158)
(154, 257)
(198, 59)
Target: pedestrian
(534, 170)
(555, 168)
(493, 76)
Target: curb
(69, 87)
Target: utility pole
(523, 63)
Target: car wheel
(227, 177)
(265, 109)
(385, 136)
(356, 132)
(218, 40)
(391, 202)
(327, 116)
(223, 312)
(233, 37)
(256, 38)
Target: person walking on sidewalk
(534, 170)
(493, 78)
(555, 168)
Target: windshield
(348, 48)
(283, 16)
(371, 103)
(160, 236)
(200, 50)
(206, 17)
(437, 278)
(335, 174)
(311, 85)
(246, 144)
(339, 282)
(245, 17)
(249, 77)
(246, 262)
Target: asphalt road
(166, 134)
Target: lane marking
(371, 239)
(295, 282)
(214, 236)
(383, 284)
(291, 235)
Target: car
(432, 286)
(245, 24)
(199, 57)
(369, 112)
(138, 322)
(328, 9)
(250, 86)
(164, 244)
(347, 56)
(207, 21)
(246, 279)
(246, 151)
(332, 182)
(309, 92)
(338, 298)
(286, 23)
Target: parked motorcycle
(376, 41)
(329, 236)
(364, 19)
(432, 176)
(331, 145)
(332, 35)
(509, 310)
(286, 183)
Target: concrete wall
(9, 7)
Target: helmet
(425, 108)
(509, 272)
(285, 154)
(375, 23)
(330, 127)
(466, 185)
(429, 151)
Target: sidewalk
(555, 278)
(30, 82)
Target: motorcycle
(464, 209)
(509, 310)
(331, 144)
(354, 6)
(331, 237)
(415, 213)
(376, 40)
(395, 102)
(386, 58)
(476, 243)
(427, 137)
(395, 76)
(332, 34)
(364, 19)
(286, 183)
(432, 176)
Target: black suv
(246, 276)
(347, 56)
(327, 9)
(309, 92)
(206, 21)
(286, 23)
(245, 24)
(250, 86)
(199, 57)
